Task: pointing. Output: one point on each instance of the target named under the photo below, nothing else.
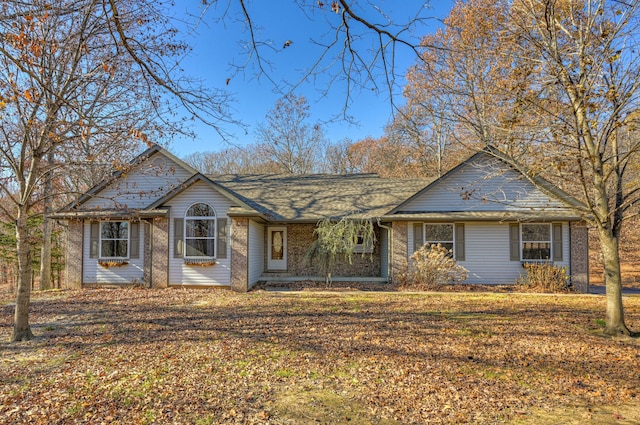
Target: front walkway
(599, 289)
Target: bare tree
(357, 46)
(340, 160)
(554, 87)
(232, 160)
(75, 71)
(429, 135)
(288, 139)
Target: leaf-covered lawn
(201, 357)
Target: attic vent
(159, 162)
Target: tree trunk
(613, 283)
(21, 328)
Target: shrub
(433, 265)
(338, 239)
(544, 277)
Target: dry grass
(205, 357)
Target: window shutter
(134, 240)
(514, 242)
(94, 240)
(178, 237)
(418, 236)
(459, 251)
(557, 241)
(221, 249)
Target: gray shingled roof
(316, 196)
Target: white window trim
(213, 218)
(550, 241)
(102, 257)
(452, 241)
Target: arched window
(200, 231)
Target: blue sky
(218, 43)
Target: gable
(139, 186)
(200, 191)
(483, 183)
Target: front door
(277, 248)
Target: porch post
(159, 253)
(73, 275)
(579, 236)
(240, 254)
(399, 259)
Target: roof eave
(545, 216)
(110, 214)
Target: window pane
(121, 248)
(277, 245)
(108, 249)
(200, 228)
(200, 210)
(200, 247)
(536, 232)
(448, 246)
(114, 248)
(536, 250)
(438, 232)
(115, 229)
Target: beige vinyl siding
(487, 252)
(482, 185)
(92, 272)
(256, 252)
(142, 185)
(181, 274)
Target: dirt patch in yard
(624, 414)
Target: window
(361, 248)
(536, 241)
(442, 234)
(114, 239)
(450, 236)
(200, 231)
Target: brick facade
(579, 234)
(301, 236)
(239, 254)
(73, 275)
(159, 258)
(147, 252)
(399, 254)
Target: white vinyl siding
(141, 186)
(256, 252)
(181, 273)
(92, 272)
(482, 185)
(487, 252)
